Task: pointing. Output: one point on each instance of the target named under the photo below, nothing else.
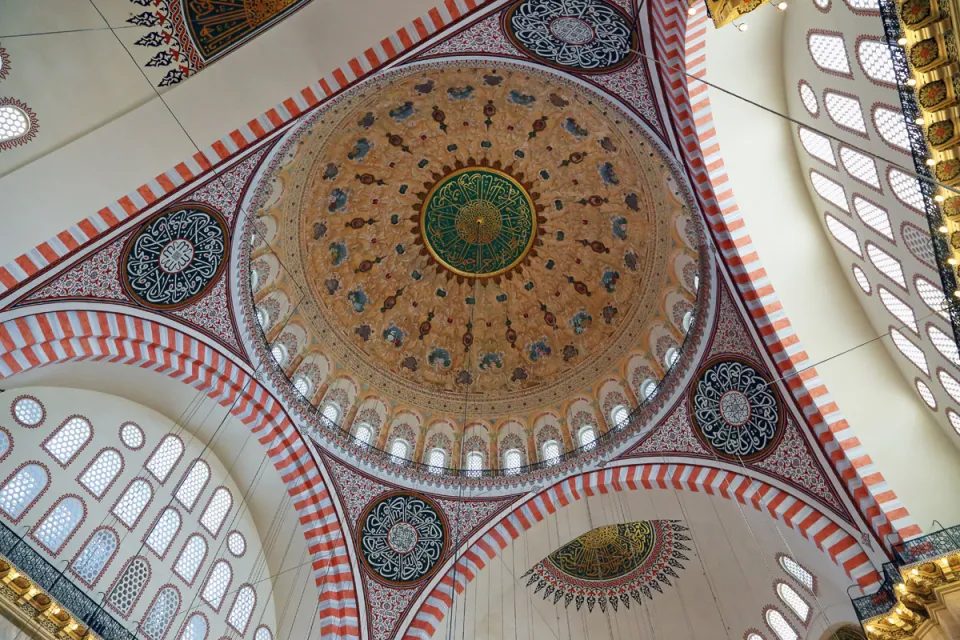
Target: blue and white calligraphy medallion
(402, 538)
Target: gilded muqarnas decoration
(190, 34)
(402, 538)
(590, 36)
(478, 220)
(613, 564)
(175, 257)
(736, 410)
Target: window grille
(399, 448)
(236, 543)
(860, 166)
(93, 558)
(102, 472)
(28, 411)
(15, 123)
(944, 344)
(59, 524)
(132, 503)
(619, 416)
(551, 451)
(829, 52)
(911, 352)
(809, 99)
(164, 531)
(875, 60)
(843, 234)
(932, 296)
(437, 458)
(829, 190)
(886, 264)
(195, 629)
(898, 308)
(364, 433)
(873, 216)
(217, 584)
(158, 619)
(798, 573)
(165, 458)
(190, 558)
(817, 146)
(845, 111)
(193, 484)
(926, 394)
(20, 491)
(66, 442)
(892, 127)
(780, 626)
(128, 588)
(794, 600)
(512, 460)
(648, 388)
(242, 609)
(132, 436)
(862, 280)
(217, 510)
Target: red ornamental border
(48, 338)
(680, 42)
(805, 519)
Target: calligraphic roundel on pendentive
(736, 409)
(402, 538)
(588, 36)
(175, 257)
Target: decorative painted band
(20, 270)
(807, 520)
(63, 336)
(681, 43)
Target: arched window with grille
(216, 510)
(60, 523)
(512, 461)
(797, 572)
(794, 601)
(932, 296)
(809, 98)
(280, 354)
(843, 234)
(845, 111)
(954, 420)
(949, 384)
(898, 308)
(874, 58)
(910, 351)
(550, 451)
(66, 442)
(95, 555)
(671, 357)
(587, 436)
(817, 146)
(131, 505)
(128, 588)
(101, 473)
(437, 460)
(830, 190)
(829, 52)
(263, 633)
(332, 412)
(217, 584)
(191, 557)
(779, 625)
(945, 344)
(399, 449)
(648, 388)
(242, 609)
(926, 394)
(303, 385)
(861, 167)
(193, 484)
(364, 433)
(890, 124)
(862, 280)
(195, 628)
(619, 416)
(474, 463)
(164, 530)
(17, 123)
(873, 216)
(886, 264)
(22, 488)
(161, 613)
(165, 457)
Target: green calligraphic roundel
(478, 222)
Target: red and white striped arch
(680, 45)
(64, 336)
(813, 524)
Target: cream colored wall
(103, 133)
(727, 581)
(897, 431)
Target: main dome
(490, 230)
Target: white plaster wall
(893, 425)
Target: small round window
(236, 543)
(28, 411)
(16, 124)
(132, 436)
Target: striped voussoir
(681, 44)
(64, 336)
(804, 518)
(66, 242)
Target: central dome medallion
(478, 221)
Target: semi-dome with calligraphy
(491, 228)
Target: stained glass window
(912, 352)
(216, 511)
(190, 558)
(780, 626)
(242, 609)
(950, 385)
(236, 543)
(128, 588)
(862, 279)
(926, 394)
(20, 491)
(886, 264)
(66, 442)
(160, 615)
(944, 344)
(165, 458)
(195, 629)
(217, 584)
(873, 216)
(830, 190)
(898, 308)
(132, 503)
(59, 524)
(809, 98)
(892, 127)
(798, 573)
(875, 60)
(843, 234)
(932, 296)
(845, 111)
(132, 436)
(102, 472)
(28, 411)
(828, 52)
(793, 600)
(860, 166)
(93, 558)
(817, 146)
(193, 484)
(164, 531)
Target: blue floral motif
(521, 99)
(439, 358)
(608, 174)
(338, 253)
(394, 335)
(609, 279)
(360, 148)
(337, 201)
(402, 112)
(359, 299)
(618, 226)
(581, 321)
(460, 93)
(572, 127)
(539, 349)
(490, 360)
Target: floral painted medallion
(736, 410)
(402, 538)
(175, 257)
